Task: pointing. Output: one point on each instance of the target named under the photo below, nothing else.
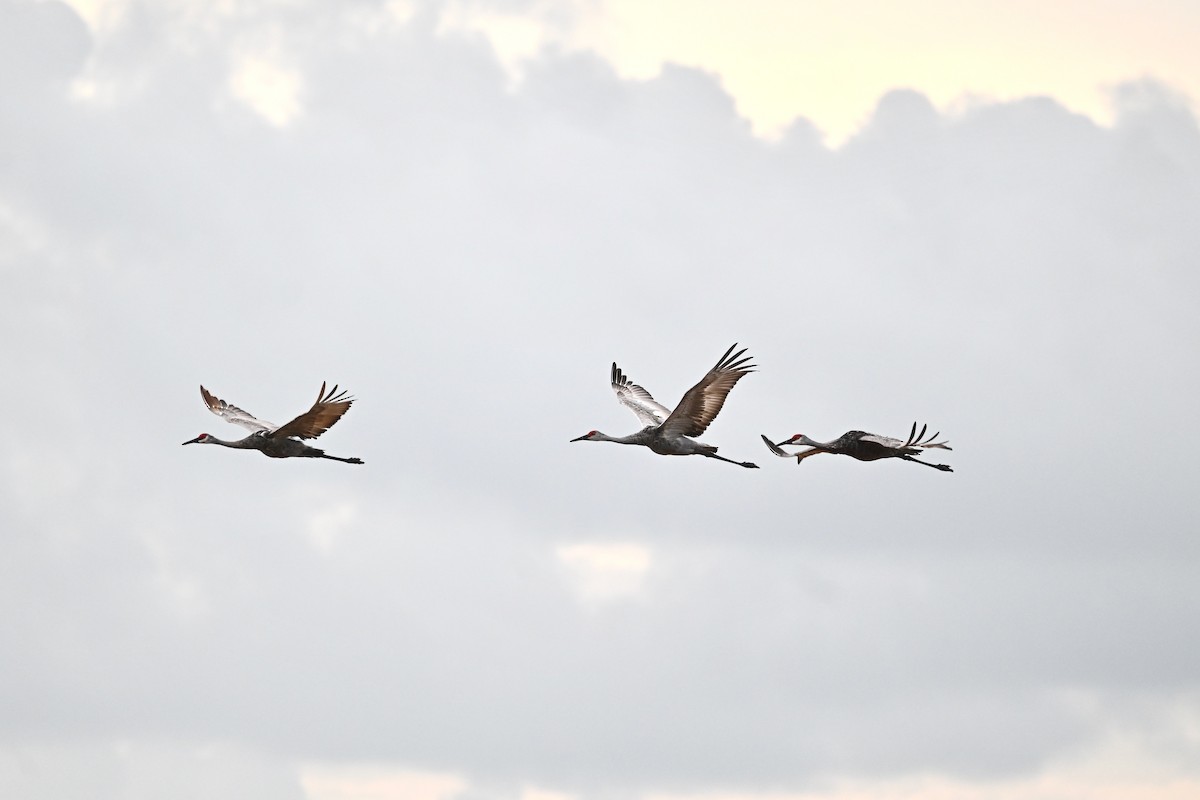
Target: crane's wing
(700, 406)
(799, 455)
(637, 399)
(776, 449)
(921, 440)
(883, 441)
(328, 409)
(915, 440)
(231, 413)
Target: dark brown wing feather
(328, 409)
(700, 406)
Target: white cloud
(483, 601)
(606, 572)
(338, 782)
(327, 526)
(267, 86)
(128, 769)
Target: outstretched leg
(942, 467)
(745, 464)
(343, 460)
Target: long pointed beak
(192, 441)
(786, 441)
(580, 438)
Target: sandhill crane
(865, 447)
(668, 432)
(277, 441)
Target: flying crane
(670, 433)
(281, 441)
(865, 447)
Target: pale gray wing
(921, 440)
(637, 399)
(776, 449)
(799, 455)
(915, 440)
(885, 441)
(231, 413)
(700, 406)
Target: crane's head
(202, 438)
(590, 436)
(799, 438)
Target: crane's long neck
(633, 438)
(240, 444)
(807, 442)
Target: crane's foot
(747, 465)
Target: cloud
(606, 572)
(468, 257)
(42, 44)
(119, 769)
(340, 783)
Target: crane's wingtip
(774, 448)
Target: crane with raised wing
(671, 433)
(281, 441)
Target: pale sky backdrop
(982, 216)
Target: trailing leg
(942, 467)
(745, 464)
(343, 460)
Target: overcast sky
(465, 229)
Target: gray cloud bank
(468, 258)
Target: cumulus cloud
(483, 602)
